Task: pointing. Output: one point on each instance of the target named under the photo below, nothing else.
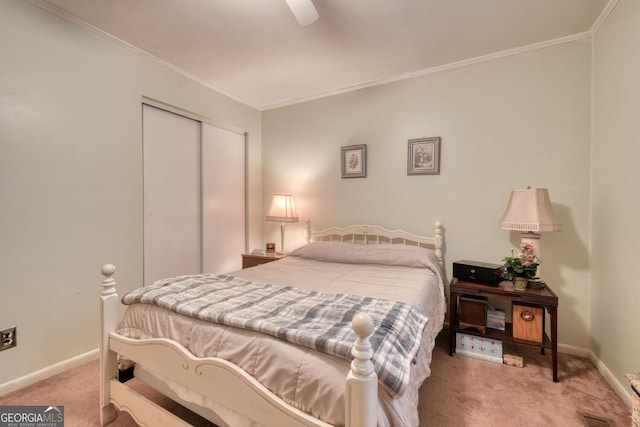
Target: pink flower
(526, 246)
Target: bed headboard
(375, 235)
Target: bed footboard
(108, 359)
(217, 379)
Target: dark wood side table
(543, 297)
(253, 260)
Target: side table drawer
(248, 262)
(253, 260)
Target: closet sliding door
(171, 165)
(223, 199)
(194, 196)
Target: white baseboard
(49, 371)
(572, 350)
(621, 390)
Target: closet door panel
(223, 199)
(171, 145)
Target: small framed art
(354, 161)
(423, 157)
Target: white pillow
(352, 253)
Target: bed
(389, 284)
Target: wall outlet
(8, 338)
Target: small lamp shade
(530, 210)
(282, 210)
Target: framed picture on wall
(423, 157)
(354, 161)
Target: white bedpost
(108, 359)
(439, 243)
(362, 382)
(307, 231)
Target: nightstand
(253, 260)
(544, 298)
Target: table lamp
(282, 210)
(529, 211)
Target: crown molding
(104, 35)
(603, 16)
(338, 91)
(437, 69)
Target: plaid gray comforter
(320, 321)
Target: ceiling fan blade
(304, 11)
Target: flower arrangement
(353, 161)
(524, 264)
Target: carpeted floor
(468, 392)
(460, 392)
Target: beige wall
(71, 189)
(71, 176)
(615, 300)
(506, 123)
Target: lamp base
(533, 239)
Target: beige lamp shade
(530, 210)
(282, 209)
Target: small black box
(477, 272)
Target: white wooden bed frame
(225, 383)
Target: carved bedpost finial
(362, 325)
(364, 230)
(108, 284)
(362, 381)
(439, 242)
(362, 352)
(307, 231)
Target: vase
(520, 283)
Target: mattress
(307, 379)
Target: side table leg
(553, 313)
(453, 319)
